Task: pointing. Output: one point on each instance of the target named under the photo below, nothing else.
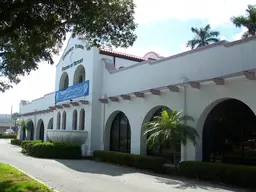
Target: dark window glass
(120, 134)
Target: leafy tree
(168, 127)
(32, 31)
(22, 123)
(203, 36)
(15, 116)
(248, 21)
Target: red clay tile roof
(121, 55)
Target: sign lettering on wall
(76, 46)
(72, 92)
(72, 64)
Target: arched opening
(30, 126)
(74, 124)
(64, 120)
(40, 130)
(163, 149)
(64, 81)
(120, 134)
(79, 75)
(23, 133)
(58, 121)
(229, 133)
(82, 120)
(50, 124)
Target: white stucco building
(102, 98)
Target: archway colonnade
(77, 116)
(226, 128)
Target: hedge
(53, 150)
(16, 142)
(132, 160)
(238, 175)
(26, 143)
(8, 136)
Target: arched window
(74, 125)
(40, 130)
(64, 81)
(82, 120)
(30, 126)
(81, 79)
(79, 75)
(120, 134)
(50, 124)
(229, 133)
(64, 120)
(58, 121)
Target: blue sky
(164, 27)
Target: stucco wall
(196, 65)
(199, 104)
(38, 104)
(218, 60)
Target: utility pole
(11, 120)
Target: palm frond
(187, 132)
(187, 117)
(212, 34)
(195, 30)
(212, 40)
(167, 127)
(207, 27)
(203, 43)
(201, 37)
(192, 43)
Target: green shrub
(16, 142)
(240, 175)
(54, 150)
(8, 136)
(132, 160)
(25, 143)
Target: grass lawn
(12, 180)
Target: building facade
(102, 98)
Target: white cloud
(239, 35)
(216, 13)
(223, 38)
(183, 48)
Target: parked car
(9, 131)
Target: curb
(32, 177)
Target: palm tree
(168, 128)
(248, 21)
(203, 36)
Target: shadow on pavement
(182, 183)
(89, 166)
(94, 167)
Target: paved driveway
(90, 176)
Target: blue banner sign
(72, 92)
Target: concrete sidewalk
(90, 176)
